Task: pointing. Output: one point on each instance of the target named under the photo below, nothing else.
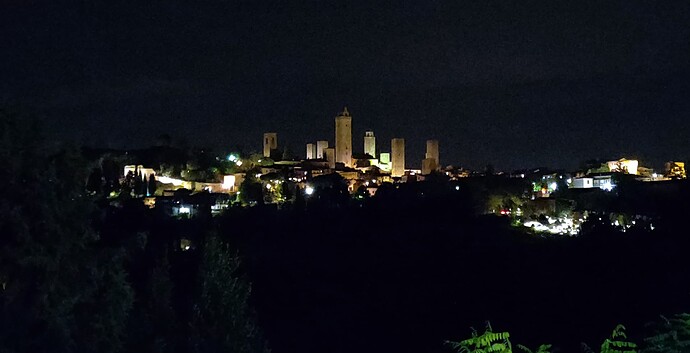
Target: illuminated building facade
(582, 183)
(384, 162)
(623, 165)
(311, 151)
(229, 182)
(397, 157)
(138, 169)
(320, 148)
(604, 182)
(270, 143)
(343, 138)
(370, 144)
(428, 166)
(675, 170)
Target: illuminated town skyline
(565, 83)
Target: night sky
(512, 83)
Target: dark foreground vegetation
(402, 277)
(404, 271)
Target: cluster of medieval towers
(342, 152)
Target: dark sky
(512, 83)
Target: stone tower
(270, 143)
(321, 145)
(370, 144)
(343, 138)
(432, 153)
(311, 151)
(397, 157)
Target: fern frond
(524, 348)
(619, 332)
(452, 344)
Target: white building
(582, 183)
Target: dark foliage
(61, 292)
(414, 266)
(75, 277)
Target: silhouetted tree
(153, 322)
(223, 320)
(95, 182)
(250, 189)
(152, 185)
(137, 183)
(144, 185)
(61, 290)
(330, 190)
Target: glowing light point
(309, 190)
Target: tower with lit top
(370, 144)
(343, 138)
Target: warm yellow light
(228, 182)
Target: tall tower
(432, 153)
(343, 138)
(311, 151)
(270, 143)
(370, 144)
(397, 157)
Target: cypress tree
(136, 190)
(152, 185)
(144, 185)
